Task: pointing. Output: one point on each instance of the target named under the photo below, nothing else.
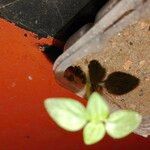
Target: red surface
(26, 79)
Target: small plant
(95, 119)
(96, 79)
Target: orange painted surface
(26, 79)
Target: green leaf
(122, 122)
(67, 113)
(97, 108)
(88, 90)
(93, 132)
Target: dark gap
(86, 15)
(52, 52)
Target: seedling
(117, 83)
(95, 119)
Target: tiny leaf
(67, 113)
(93, 132)
(122, 122)
(97, 108)
(76, 74)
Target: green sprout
(95, 119)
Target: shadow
(52, 52)
(121, 83)
(84, 16)
(117, 83)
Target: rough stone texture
(57, 18)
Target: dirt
(128, 52)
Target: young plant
(95, 119)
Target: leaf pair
(116, 83)
(94, 119)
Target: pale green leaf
(97, 108)
(93, 132)
(122, 122)
(67, 113)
